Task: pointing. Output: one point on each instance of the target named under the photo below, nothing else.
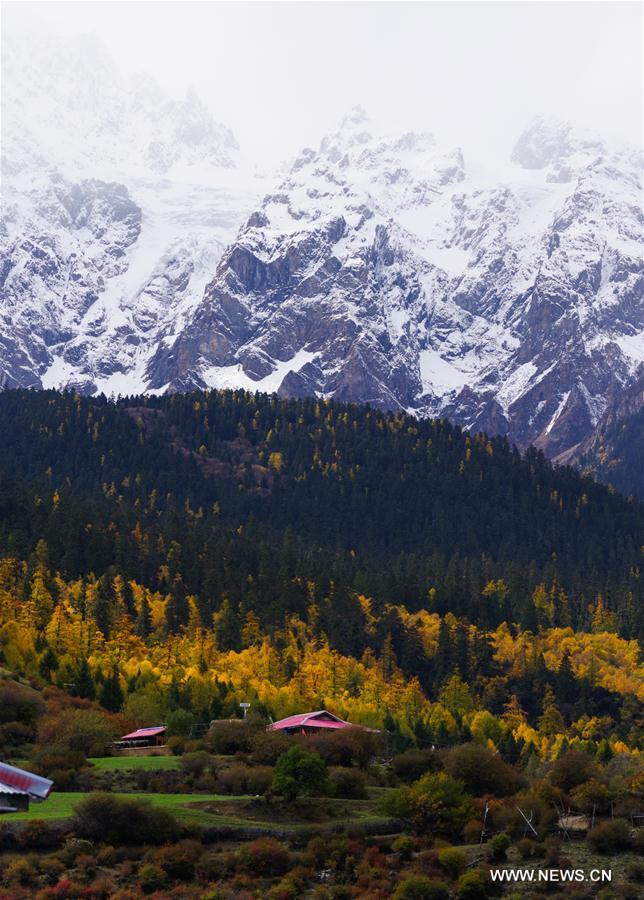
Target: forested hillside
(615, 455)
(311, 553)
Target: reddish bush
(344, 746)
(37, 835)
(178, 860)
(265, 856)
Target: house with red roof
(18, 787)
(154, 736)
(312, 723)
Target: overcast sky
(282, 74)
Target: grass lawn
(218, 809)
(60, 805)
(134, 763)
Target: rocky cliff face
(117, 202)
(383, 271)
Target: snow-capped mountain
(387, 271)
(136, 254)
(117, 202)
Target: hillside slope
(295, 491)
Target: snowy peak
(137, 254)
(556, 144)
(381, 270)
(117, 202)
(65, 100)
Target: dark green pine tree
(462, 651)
(228, 628)
(566, 682)
(84, 685)
(48, 664)
(509, 748)
(443, 661)
(423, 734)
(144, 620)
(110, 694)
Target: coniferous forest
(166, 558)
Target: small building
(313, 723)
(18, 787)
(144, 737)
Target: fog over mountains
(140, 251)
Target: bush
(123, 820)
(265, 856)
(259, 779)
(19, 703)
(413, 764)
(234, 779)
(635, 871)
(51, 869)
(15, 734)
(436, 802)
(329, 849)
(572, 768)
(404, 846)
(298, 772)
(176, 745)
(195, 764)
(610, 837)
(472, 831)
(178, 860)
(452, 860)
(419, 887)
(591, 795)
(526, 848)
(207, 784)
(268, 746)
(638, 841)
(152, 878)
(228, 738)
(47, 760)
(344, 746)
(87, 731)
(349, 784)
(20, 871)
(482, 771)
(499, 845)
(472, 885)
(37, 835)
(179, 722)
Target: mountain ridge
(378, 269)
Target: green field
(134, 763)
(60, 805)
(218, 809)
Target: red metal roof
(311, 719)
(144, 733)
(26, 782)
